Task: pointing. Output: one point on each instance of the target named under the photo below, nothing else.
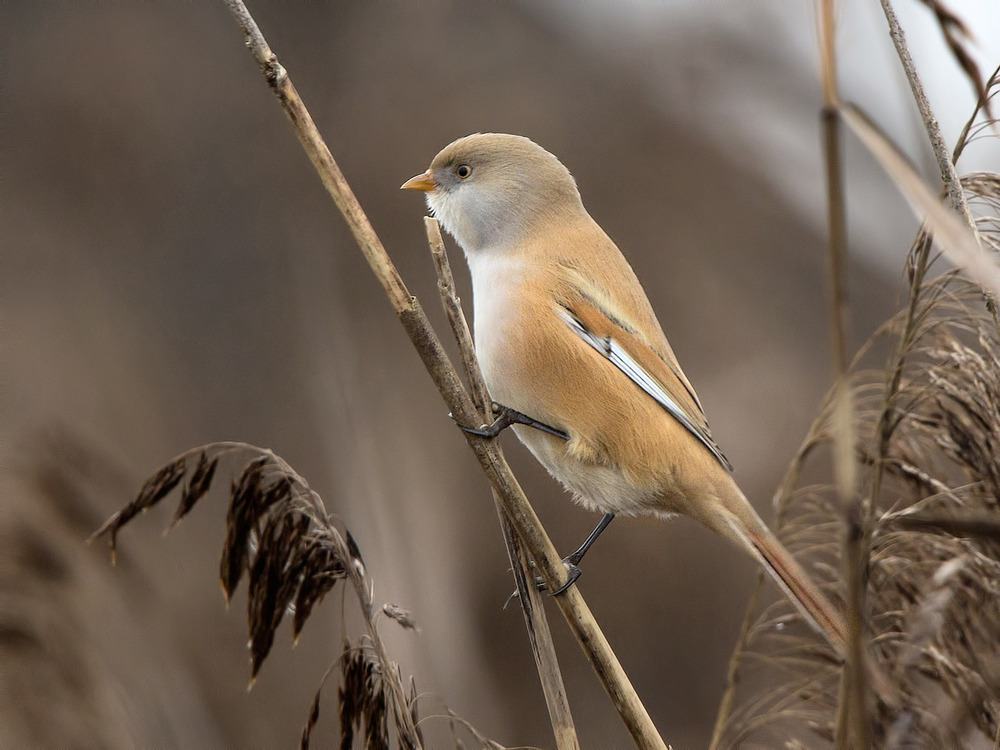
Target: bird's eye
(463, 171)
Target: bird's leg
(573, 561)
(505, 418)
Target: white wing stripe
(621, 359)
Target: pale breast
(496, 283)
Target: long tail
(736, 519)
(799, 588)
(743, 526)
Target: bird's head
(491, 190)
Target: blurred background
(173, 273)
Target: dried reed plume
(280, 536)
(927, 456)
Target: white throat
(477, 219)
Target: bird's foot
(505, 417)
(572, 561)
(573, 572)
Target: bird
(577, 363)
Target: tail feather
(814, 606)
(734, 517)
(799, 587)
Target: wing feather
(643, 366)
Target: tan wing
(656, 374)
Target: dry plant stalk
(854, 715)
(944, 158)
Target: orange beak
(423, 182)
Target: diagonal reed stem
(520, 513)
(528, 595)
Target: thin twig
(941, 151)
(528, 595)
(828, 53)
(425, 340)
(982, 105)
(942, 154)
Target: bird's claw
(573, 572)
(505, 417)
(502, 421)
